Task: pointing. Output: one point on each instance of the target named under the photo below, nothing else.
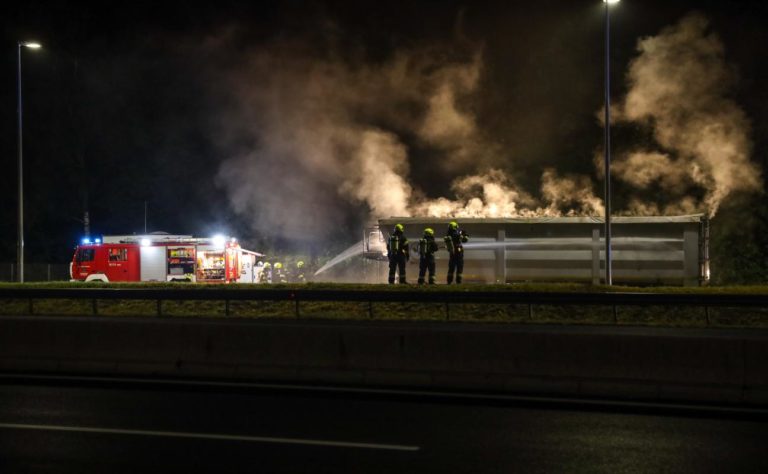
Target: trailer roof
(544, 220)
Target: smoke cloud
(492, 194)
(571, 195)
(316, 136)
(380, 182)
(313, 135)
(642, 169)
(678, 85)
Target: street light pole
(607, 144)
(21, 165)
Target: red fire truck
(163, 257)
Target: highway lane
(60, 425)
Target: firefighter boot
(458, 278)
(450, 278)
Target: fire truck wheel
(97, 278)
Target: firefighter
(427, 249)
(266, 273)
(279, 274)
(397, 251)
(300, 277)
(258, 271)
(454, 240)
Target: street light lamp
(29, 45)
(607, 144)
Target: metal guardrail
(378, 296)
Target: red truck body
(162, 258)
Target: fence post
(706, 313)
(447, 312)
(226, 307)
(615, 314)
(159, 307)
(370, 309)
(530, 311)
(297, 308)
(95, 307)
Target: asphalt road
(113, 427)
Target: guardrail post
(706, 313)
(447, 312)
(159, 307)
(95, 306)
(31, 306)
(530, 311)
(226, 308)
(615, 314)
(370, 309)
(297, 308)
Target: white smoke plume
(494, 194)
(571, 195)
(319, 136)
(685, 205)
(678, 86)
(380, 182)
(313, 136)
(329, 132)
(490, 194)
(451, 128)
(642, 169)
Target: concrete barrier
(636, 363)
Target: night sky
(251, 118)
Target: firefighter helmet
(429, 231)
(267, 265)
(299, 264)
(278, 265)
(453, 225)
(399, 228)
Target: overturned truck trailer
(668, 250)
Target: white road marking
(209, 436)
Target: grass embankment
(511, 313)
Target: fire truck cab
(163, 257)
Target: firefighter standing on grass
(278, 275)
(258, 271)
(427, 249)
(266, 273)
(397, 251)
(300, 277)
(454, 240)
